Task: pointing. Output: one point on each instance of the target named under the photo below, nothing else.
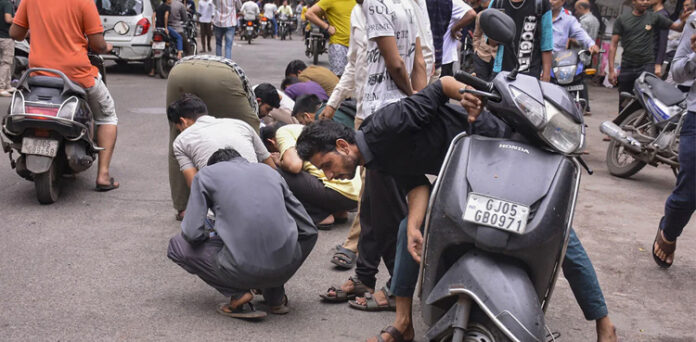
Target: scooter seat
(663, 91)
(55, 82)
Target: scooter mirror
(498, 26)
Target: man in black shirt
(408, 140)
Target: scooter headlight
(565, 74)
(533, 109)
(561, 132)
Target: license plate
(577, 87)
(158, 45)
(42, 147)
(496, 213)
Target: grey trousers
(201, 260)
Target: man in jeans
(6, 48)
(177, 17)
(337, 13)
(682, 202)
(635, 30)
(224, 23)
(60, 34)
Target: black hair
(223, 155)
(268, 94)
(320, 137)
(288, 81)
(309, 103)
(294, 67)
(188, 106)
(269, 132)
(584, 4)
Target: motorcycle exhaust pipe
(615, 132)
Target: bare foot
(328, 220)
(105, 180)
(347, 287)
(379, 296)
(406, 331)
(606, 331)
(235, 303)
(662, 255)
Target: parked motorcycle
(501, 209)
(315, 43)
(190, 34)
(266, 27)
(52, 128)
(284, 27)
(164, 52)
(647, 129)
(249, 31)
(568, 69)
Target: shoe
(5, 93)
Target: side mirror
(498, 26)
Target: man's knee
(101, 104)
(175, 252)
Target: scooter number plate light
(496, 213)
(158, 45)
(41, 147)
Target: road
(93, 266)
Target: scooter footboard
(499, 286)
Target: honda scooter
(501, 210)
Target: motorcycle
(501, 210)
(164, 52)
(284, 27)
(190, 34)
(647, 129)
(315, 43)
(266, 27)
(568, 69)
(52, 128)
(466, 55)
(249, 31)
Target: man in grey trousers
(247, 249)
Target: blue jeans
(577, 268)
(177, 38)
(228, 33)
(275, 26)
(682, 202)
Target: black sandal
(342, 296)
(344, 258)
(667, 247)
(395, 334)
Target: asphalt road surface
(93, 266)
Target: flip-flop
(344, 258)
(327, 226)
(342, 296)
(372, 305)
(667, 248)
(396, 335)
(107, 187)
(244, 311)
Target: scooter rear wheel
(46, 184)
(315, 52)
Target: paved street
(93, 266)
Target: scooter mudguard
(38, 164)
(500, 287)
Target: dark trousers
(383, 206)
(206, 35)
(318, 200)
(682, 202)
(577, 268)
(447, 70)
(628, 75)
(483, 69)
(201, 260)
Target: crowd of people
(359, 136)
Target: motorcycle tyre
(315, 52)
(162, 68)
(193, 47)
(612, 151)
(46, 184)
(479, 322)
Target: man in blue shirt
(565, 27)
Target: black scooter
(500, 212)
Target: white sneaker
(5, 93)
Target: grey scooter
(500, 213)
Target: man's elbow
(17, 33)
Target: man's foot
(241, 308)
(393, 333)
(326, 224)
(379, 301)
(352, 287)
(112, 184)
(663, 250)
(5, 93)
(281, 309)
(340, 217)
(180, 55)
(180, 215)
(606, 332)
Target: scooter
(501, 210)
(164, 52)
(569, 70)
(249, 31)
(52, 128)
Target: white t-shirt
(449, 45)
(205, 8)
(269, 10)
(386, 18)
(250, 10)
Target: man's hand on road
(415, 243)
(327, 113)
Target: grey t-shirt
(194, 146)
(177, 15)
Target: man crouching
(248, 249)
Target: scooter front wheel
(479, 329)
(46, 185)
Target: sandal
(344, 258)
(244, 311)
(396, 335)
(107, 187)
(342, 296)
(372, 305)
(667, 247)
(281, 309)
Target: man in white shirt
(224, 24)
(206, 9)
(269, 11)
(462, 15)
(426, 38)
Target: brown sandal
(342, 296)
(395, 334)
(667, 247)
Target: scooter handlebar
(473, 81)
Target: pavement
(93, 266)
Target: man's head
(557, 4)
(331, 147)
(268, 98)
(288, 81)
(268, 134)
(223, 155)
(688, 5)
(295, 68)
(285, 2)
(582, 7)
(185, 111)
(640, 6)
(306, 107)
(658, 2)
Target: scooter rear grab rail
(68, 85)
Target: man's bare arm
(472, 104)
(679, 25)
(314, 15)
(98, 44)
(189, 174)
(8, 18)
(417, 206)
(469, 17)
(546, 60)
(291, 162)
(18, 33)
(270, 162)
(419, 77)
(395, 65)
(612, 56)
